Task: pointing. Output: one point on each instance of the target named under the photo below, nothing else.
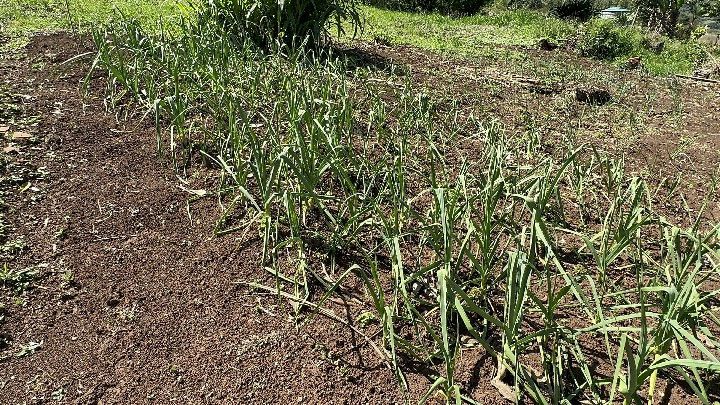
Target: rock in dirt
(546, 45)
(710, 39)
(633, 63)
(592, 95)
(708, 70)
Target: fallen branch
(699, 79)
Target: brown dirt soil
(138, 302)
(154, 312)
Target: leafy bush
(577, 9)
(660, 15)
(463, 7)
(522, 4)
(290, 22)
(660, 55)
(452, 7)
(603, 39)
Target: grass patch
(677, 58)
(480, 35)
(19, 18)
(467, 36)
(33, 15)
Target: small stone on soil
(546, 45)
(633, 63)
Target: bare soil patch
(137, 301)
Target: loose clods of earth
(593, 96)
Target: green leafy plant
(602, 39)
(577, 9)
(291, 22)
(18, 281)
(450, 7)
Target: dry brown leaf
(4, 128)
(9, 149)
(20, 135)
(505, 390)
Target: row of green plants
(463, 236)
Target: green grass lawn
(464, 35)
(22, 16)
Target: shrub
(603, 39)
(660, 15)
(522, 4)
(712, 8)
(401, 5)
(461, 7)
(291, 22)
(450, 7)
(577, 9)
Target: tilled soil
(135, 299)
(138, 301)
